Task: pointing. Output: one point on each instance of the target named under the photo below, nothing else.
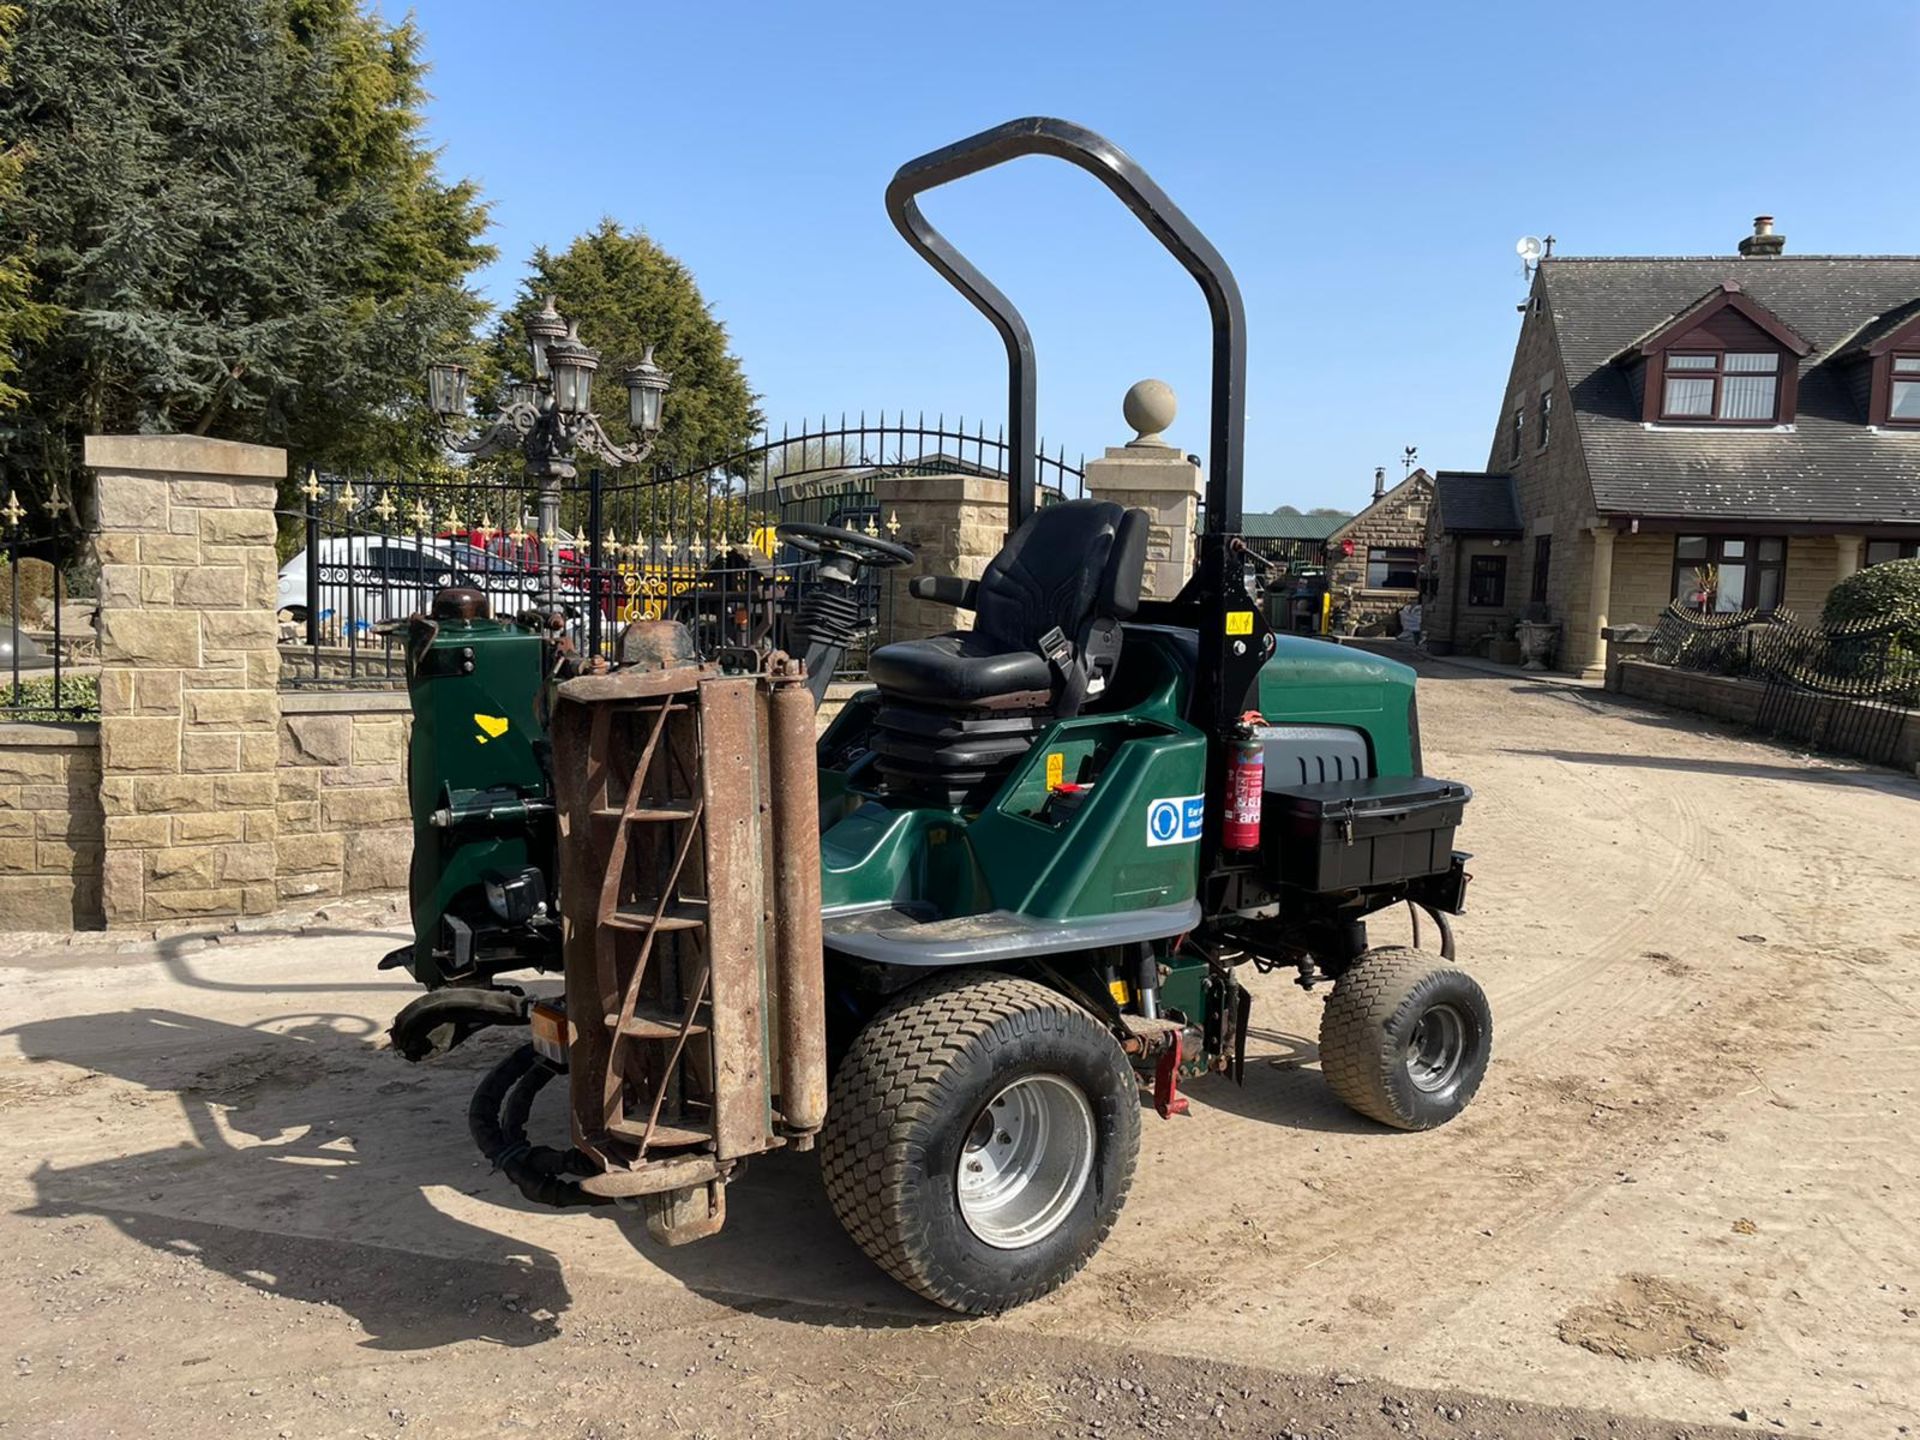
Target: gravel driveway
(1686, 1193)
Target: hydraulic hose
(466, 1009)
(497, 1120)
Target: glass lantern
(647, 387)
(570, 364)
(447, 389)
(544, 328)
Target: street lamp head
(543, 328)
(647, 386)
(447, 390)
(571, 364)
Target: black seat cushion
(963, 668)
(1069, 565)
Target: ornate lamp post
(551, 420)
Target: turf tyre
(1370, 1023)
(903, 1102)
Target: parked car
(367, 580)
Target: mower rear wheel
(980, 1139)
(1404, 1041)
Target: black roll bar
(1120, 173)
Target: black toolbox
(1357, 834)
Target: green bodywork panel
(1018, 853)
(1012, 855)
(475, 691)
(1316, 682)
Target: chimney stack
(1379, 481)
(1763, 243)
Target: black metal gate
(700, 547)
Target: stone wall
(189, 676)
(50, 827)
(1732, 698)
(344, 825)
(1556, 498)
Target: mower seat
(958, 710)
(1063, 582)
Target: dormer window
(1903, 402)
(1724, 360)
(1722, 385)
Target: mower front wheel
(980, 1139)
(1404, 1041)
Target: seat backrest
(1071, 564)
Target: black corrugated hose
(497, 1120)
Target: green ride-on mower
(954, 939)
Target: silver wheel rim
(1436, 1049)
(1026, 1161)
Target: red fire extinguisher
(1246, 783)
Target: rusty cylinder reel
(690, 885)
(799, 960)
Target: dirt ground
(1684, 1199)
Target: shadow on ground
(314, 1158)
(317, 1164)
(299, 1134)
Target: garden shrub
(1889, 591)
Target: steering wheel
(867, 549)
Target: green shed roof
(1291, 527)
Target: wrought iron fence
(1852, 689)
(1713, 644)
(49, 670)
(700, 547)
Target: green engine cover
(476, 780)
(1316, 682)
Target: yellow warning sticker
(1240, 622)
(1056, 770)
(492, 727)
(1118, 989)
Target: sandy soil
(1685, 1197)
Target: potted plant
(1704, 588)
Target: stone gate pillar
(955, 525)
(189, 676)
(1150, 474)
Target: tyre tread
(890, 1087)
(1353, 1050)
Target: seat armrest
(1120, 585)
(944, 590)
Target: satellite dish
(1529, 248)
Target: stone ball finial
(1149, 408)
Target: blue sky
(1365, 169)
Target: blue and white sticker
(1177, 820)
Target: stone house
(1374, 560)
(1738, 431)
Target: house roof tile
(1469, 503)
(1830, 468)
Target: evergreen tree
(626, 293)
(237, 226)
(20, 318)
